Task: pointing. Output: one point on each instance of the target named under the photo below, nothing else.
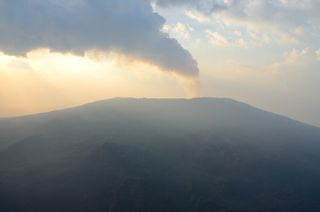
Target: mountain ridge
(196, 155)
(106, 101)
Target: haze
(159, 105)
(57, 54)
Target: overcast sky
(61, 53)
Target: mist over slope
(161, 155)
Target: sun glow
(44, 80)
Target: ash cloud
(124, 26)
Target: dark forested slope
(128, 155)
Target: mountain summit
(150, 155)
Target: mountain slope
(159, 155)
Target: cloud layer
(124, 26)
(284, 21)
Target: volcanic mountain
(159, 155)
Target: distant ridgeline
(149, 155)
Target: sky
(62, 53)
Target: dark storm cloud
(126, 26)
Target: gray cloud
(126, 26)
(206, 6)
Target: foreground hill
(128, 155)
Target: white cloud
(216, 38)
(237, 33)
(287, 22)
(295, 55)
(179, 30)
(297, 4)
(318, 54)
(194, 15)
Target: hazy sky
(61, 53)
